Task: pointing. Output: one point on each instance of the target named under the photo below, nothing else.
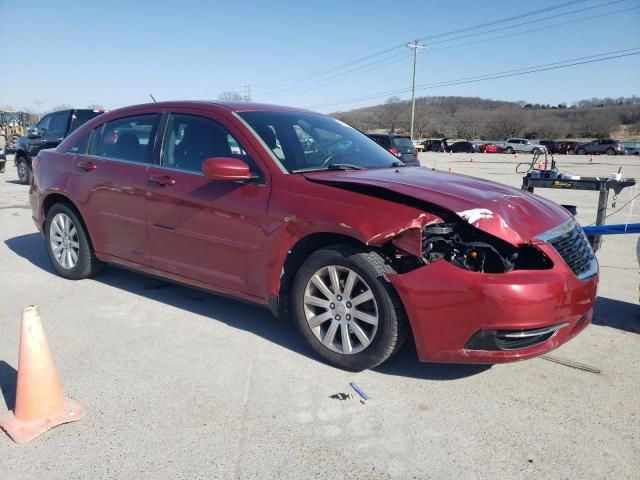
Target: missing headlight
(472, 249)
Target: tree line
(478, 118)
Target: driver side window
(44, 123)
(189, 140)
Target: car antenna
(154, 100)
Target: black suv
(48, 133)
(400, 145)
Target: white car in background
(514, 145)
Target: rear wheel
(536, 151)
(68, 244)
(509, 150)
(581, 151)
(610, 151)
(571, 152)
(24, 172)
(346, 309)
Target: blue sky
(115, 53)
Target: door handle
(162, 180)
(86, 165)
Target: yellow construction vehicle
(14, 125)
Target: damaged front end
(465, 246)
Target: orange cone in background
(449, 169)
(471, 159)
(40, 403)
(590, 158)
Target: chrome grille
(575, 250)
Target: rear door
(208, 231)
(108, 181)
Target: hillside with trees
(478, 118)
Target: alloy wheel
(23, 171)
(340, 309)
(64, 241)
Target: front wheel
(509, 150)
(610, 151)
(346, 309)
(24, 172)
(68, 245)
(581, 151)
(536, 151)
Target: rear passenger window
(189, 140)
(80, 146)
(129, 138)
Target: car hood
(511, 214)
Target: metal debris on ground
(359, 391)
(571, 363)
(341, 396)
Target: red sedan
(305, 215)
(490, 148)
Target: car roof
(231, 106)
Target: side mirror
(226, 169)
(33, 132)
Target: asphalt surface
(178, 383)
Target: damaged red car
(299, 212)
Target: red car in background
(303, 214)
(490, 148)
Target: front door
(209, 231)
(109, 182)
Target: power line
(495, 75)
(275, 90)
(452, 32)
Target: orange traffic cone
(40, 404)
(590, 158)
(449, 169)
(471, 159)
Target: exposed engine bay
(472, 249)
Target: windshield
(402, 142)
(306, 141)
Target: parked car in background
(606, 146)
(3, 149)
(48, 133)
(567, 147)
(632, 148)
(490, 148)
(434, 145)
(258, 202)
(399, 145)
(514, 145)
(552, 146)
(461, 147)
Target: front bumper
(448, 306)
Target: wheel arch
(298, 253)
(58, 198)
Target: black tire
(509, 150)
(392, 328)
(87, 264)
(536, 151)
(24, 172)
(571, 152)
(581, 151)
(610, 151)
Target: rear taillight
(394, 150)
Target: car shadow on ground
(237, 314)
(8, 381)
(15, 182)
(617, 314)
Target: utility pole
(416, 47)
(247, 97)
(38, 103)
